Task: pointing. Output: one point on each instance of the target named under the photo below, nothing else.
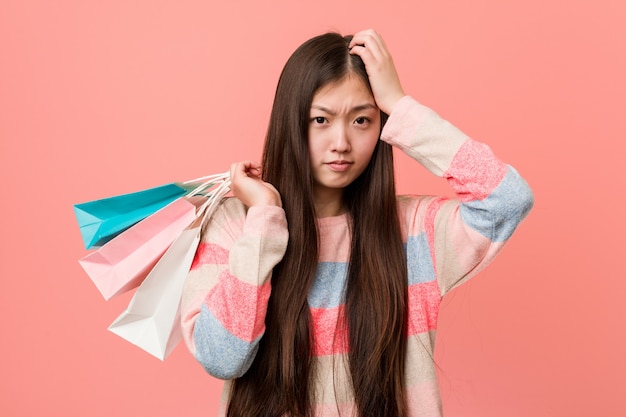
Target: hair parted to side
(279, 380)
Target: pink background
(98, 98)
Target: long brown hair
(279, 381)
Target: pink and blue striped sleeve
(453, 239)
(227, 290)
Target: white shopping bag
(152, 319)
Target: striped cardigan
(447, 241)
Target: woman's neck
(328, 204)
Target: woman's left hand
(381, 71)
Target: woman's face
(344, 127)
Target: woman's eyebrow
(365, 106)
(360, 107)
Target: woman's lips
(339, 166)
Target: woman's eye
(319, 120)
(361, 120)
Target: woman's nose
(341, 142)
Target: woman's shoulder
(232, 217)
(232, 205)
(228, 218)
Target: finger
(252, 169)
(233, 170)
(370, 40)
(362, 37)
(371, 56)
(247, 165)
(255, 171)
(242, 169)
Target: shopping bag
(101, 220)
(152, 319)
(123, 262)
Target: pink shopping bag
(123, 262)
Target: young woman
(315, 290)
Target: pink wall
(104, 97)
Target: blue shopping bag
(102, 220)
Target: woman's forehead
(349, 91)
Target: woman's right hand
(248, 186)
(381, 70)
